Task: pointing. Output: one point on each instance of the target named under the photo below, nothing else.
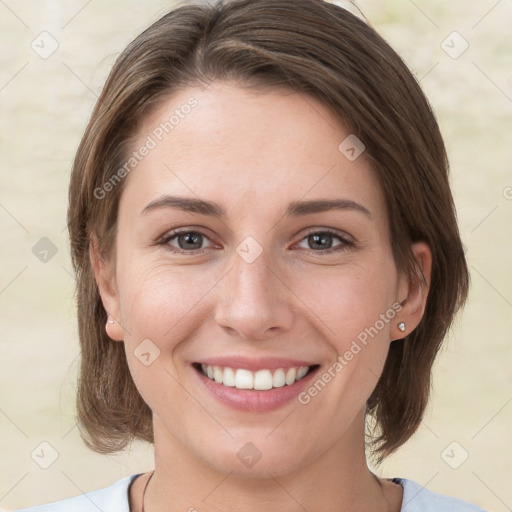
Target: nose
(255, 302)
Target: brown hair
(315, 48)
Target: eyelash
(346, 244)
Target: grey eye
(190, 240)
(320, 241)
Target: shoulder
(419, 499)
(111, 499)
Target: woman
(267, 259)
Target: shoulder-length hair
(315, 48)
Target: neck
(337, 480)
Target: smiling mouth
(261, 380)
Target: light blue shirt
(115, 499)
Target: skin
(254, 152)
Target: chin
(258, 459)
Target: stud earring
(401, 326)
(111, 320)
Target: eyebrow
(295, 208)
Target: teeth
(302, 372)
(229, 378)
(291, 375)
(260, 380)
(244, 379)
(218, 374)
(263, 380)
(278, 380)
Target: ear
(412, 294)
(106, 280)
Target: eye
(184, 241)
(322, 242)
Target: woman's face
(283, 260)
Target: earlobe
(413, 306)
(114, 329)
(105, 280)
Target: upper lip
(255, 363)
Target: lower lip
(251, 400)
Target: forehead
(247, 147)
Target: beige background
(44, 105)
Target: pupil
(321, 240)
(190, 238)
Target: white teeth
(229, 377)
(218, 374)
(291, 375)
(244, 379)
(261, 380)
(278, 380)
(302, 372)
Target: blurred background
(54, 59)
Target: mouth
(261, 380)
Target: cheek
(355, 313)
(349, 300)
(157, 301)
(161, 305)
